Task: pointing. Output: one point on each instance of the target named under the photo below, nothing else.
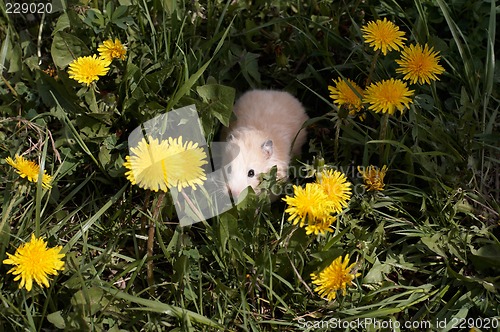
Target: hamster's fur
(266, 124)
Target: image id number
(28, 8)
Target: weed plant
(426, 247)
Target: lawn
(403, 169)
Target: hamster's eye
(251, 173)
(229, 170)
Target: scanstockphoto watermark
(358, 189)
(487, 323)
(297, 173)
(361, 324)
(303, 171)
(191, 170)
(197, 192)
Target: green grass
(427, 247)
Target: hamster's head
(247, 155)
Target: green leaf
(154, 81)
(54, 94)
(486, 256)
(57, 319)
(160, 307)
(220, 99)
(62, 23)
(15, 58)
(458, 37)
(433, 244)
(66, 48)
(250, 67)
(89, 301)
(377, 272)
(426, 102)
(4, 49)
(228, 226)
(104, 156)
(119, 12)
(92, 220)
(188, 84)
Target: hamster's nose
(234, 192)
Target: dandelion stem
(383, 134)
(192, 206)
(39, 192)
(372, 68)
(297, 274)
(144, 216)
(92, 99)
(336, 143)
(151, 238)
(19, 192)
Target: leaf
(104, 156)
(54, 94)
(62, 23)
(57, 319)
(157, 306)
(433, 244)
(426, 102)
(170, 6)
(227, 227)
(15, 60)
(4, 49)
(184, 89)
(486, 256)
(154, 81)
(118, 13)
(121, 18)
(92, 220)
(250, 67)
(95, 19)
(490, 284)
(7, 208)
(89, 301)
(377, 272)
(66, 48)
(458, 37)
(220, 99)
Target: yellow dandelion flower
(320, 226)
(144, 165)
(337, 188)
(346, 94)
(373, 177)
(183, 168)
(388, 96)
(419, 64)
(309, 203)
(110, 50)
(159, 165)
(30, 170)
(383, 35)
(337, 276)
(34, 261)
(87, 69)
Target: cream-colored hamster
(266, 125)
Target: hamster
(267, 122)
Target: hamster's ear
(267, 148)
(230, 137)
